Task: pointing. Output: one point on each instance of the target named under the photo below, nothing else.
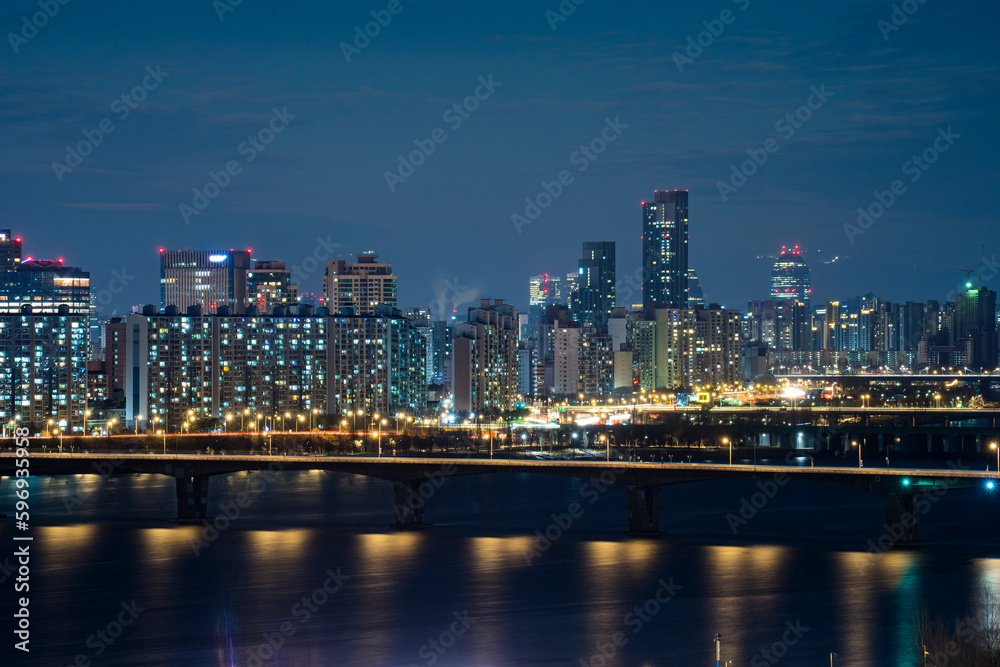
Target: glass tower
(665, 250)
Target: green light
(968, 284)
(906, 482)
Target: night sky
(446, 228)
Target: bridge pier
(643, 510)
(901, 518)
(409, 503)
(192, 497)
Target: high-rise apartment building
(697, 348)
(361, 285)
(665, 250)
(269, 284)
(791, 277)
(211, 279)
(378, 364)
(485, 358)
(584, 362)
(595, 295)
(43, 370)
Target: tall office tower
(595, 295)
(790, 277)
(913, 326)
(571, 283)
(543, 290)
(43, 370)
(361, 285)
(10, 250)
(211, 279)
(269, 284)
(665, 250)
(976, 326)
(696, 295)
(45, 285)
(378, 364)
(832, 339)
(485, 358)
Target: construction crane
(968, 272)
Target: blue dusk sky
(627, 98)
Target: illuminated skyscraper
(665, 250)
(790, 277)
(207, 278)
(45, 285)
(595, 296)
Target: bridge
(413, 477)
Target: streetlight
(726, 441)
(343, 425)
(383, 423)
(860, 462)
(995, 446)
(937, 399)
(225, 424)
(48, 428)
(300, 420)
(315, 411)
(138, 418)
(185, 426)
(245, 412)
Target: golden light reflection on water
(732, 571)
(284, 547)
(861, 578)
(608, 568)
(495, 560)
(163, 547)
